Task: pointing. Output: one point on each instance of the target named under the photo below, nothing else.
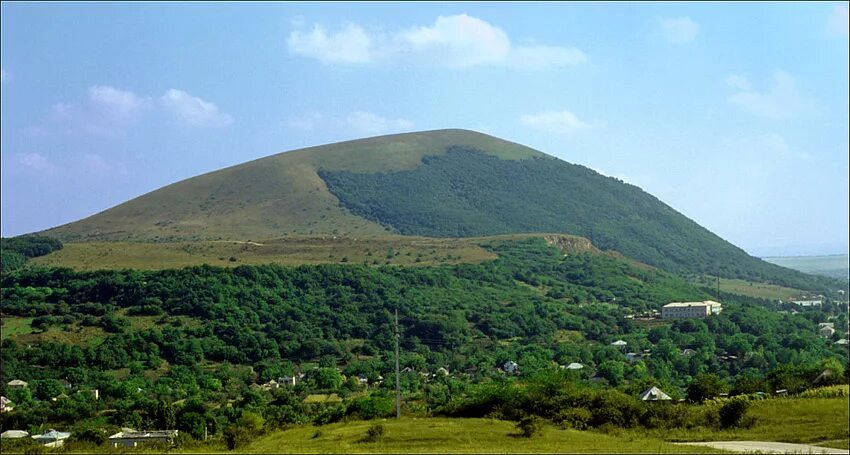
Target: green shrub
(577, 418)
(528, 426)
(833, 391)
(236, 436)
(732, 412)
(374, 433)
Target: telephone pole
(397, 383)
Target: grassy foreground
(445, 435)
(817, 421)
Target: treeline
(533, 305)
(14, 251)
(462, 193)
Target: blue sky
(735, 114)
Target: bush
(577, 418)
(833, 391)
(374, 433)
(236, 436)
(732, 412)
(528, 426)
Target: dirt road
(767, 447)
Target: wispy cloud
(107, 111)
(358, 122)
(737, 82)
(839, 21)
(459, 41)
(37, 162)
(193, 111)
(677, 30)
(782, 99)
(350, 45)
(365, 122)
(562, 122)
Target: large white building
(690, 309)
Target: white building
(654, 394)
(807, 302)
(52, 438)
(131, 438)
(6, 404)
(13, 434)
(690, 309)
(510, 366)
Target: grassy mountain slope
(444, 183)
(273, 196)
(467, 193)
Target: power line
(397, 374)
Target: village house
(132, 438)
(807, 303)
(13, 434)
(573, 366)
(826, 332)
(510, 367)
(286, 380)
(620, 344)
(442, 372)
(687, 352)
(654, 394)
(17, 384)
(842, 342)
(690, 309)
(52, 438)
(6, 404)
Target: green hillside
(467, 193)
(444, 183)
(274, 196)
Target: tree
(165, 416)
(705, 386)
(612, 370)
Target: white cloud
(305, 122)
(541, 57)
(678, 30)
(193, 111)
(117, 105)
(107, 111)
(459, 41)
(358, 122)
(36, 162)
(737, 82)
(95, 164)
(350, 45)
(364, 122)
(781, 100)
(839, 21)
(563, 122)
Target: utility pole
(397, 382)
(718, 286)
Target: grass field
(294, 250)
(443, 435)
(823, 421)
(835, 265)
(754, 289)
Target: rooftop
(690, 304)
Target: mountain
(444, 183)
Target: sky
(734, 114)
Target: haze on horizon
(734, 114)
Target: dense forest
(160, 344)
(15, 251)
(463, 193)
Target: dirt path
(767, 447)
